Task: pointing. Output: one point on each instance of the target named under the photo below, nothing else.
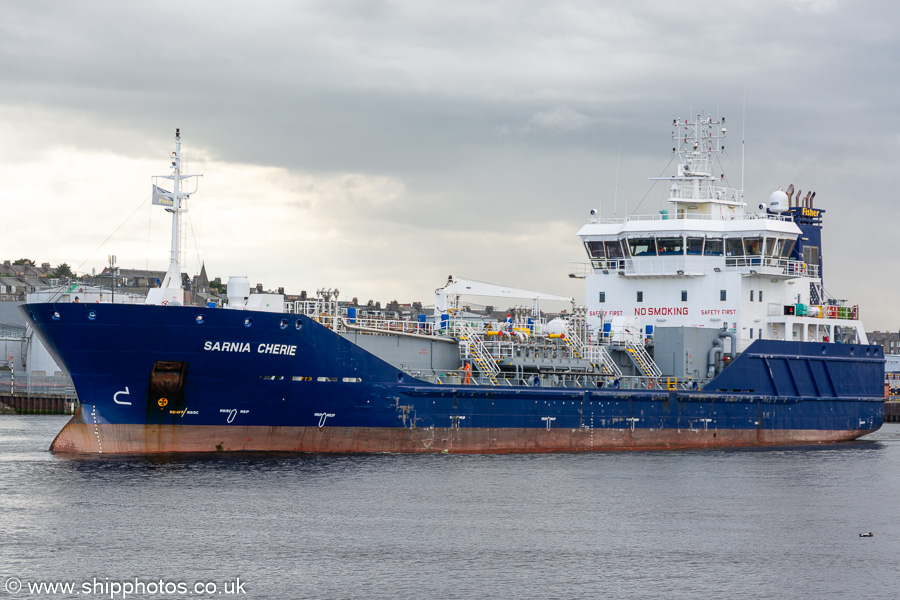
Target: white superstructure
(708, 262)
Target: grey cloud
(418, 92)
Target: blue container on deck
(351, 314)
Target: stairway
(642, 360)
(574, 343)
(472, 348)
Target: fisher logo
(810, 212)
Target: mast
(694, 189)
(170, 291)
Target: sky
(378, 147)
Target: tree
(62, 271)
(27, 262)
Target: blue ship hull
(179, 379)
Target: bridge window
(751, 295)
(787, 248)
(722, 295)
(642, 246)
(595, 249)
(779, 248)
(670, 246)
(695, 245)
(684, 295)
(602, 297)
(760, 297)
(614, 249)
(734, 247)
(640, 296)
(713, 247)
(753, 246)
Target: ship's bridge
(658, 246)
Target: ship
(704, 325)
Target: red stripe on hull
(78, 437)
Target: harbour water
(757, 523)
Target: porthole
(55, 316)
(92, 314)
(298, 324)
(199, 319)
(283, 324)
(248, 322)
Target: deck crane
(448, 296)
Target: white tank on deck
(238, 290)
(556, 327)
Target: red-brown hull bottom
(79, 437)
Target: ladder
(596, 354)
(642, 360)
(574, 343)
(471, 347)
(600, 357)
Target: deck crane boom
(448, 296)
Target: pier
(39, 405)
(892, 412)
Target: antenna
(616, 194)
(743, 137)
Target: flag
(162, 197)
